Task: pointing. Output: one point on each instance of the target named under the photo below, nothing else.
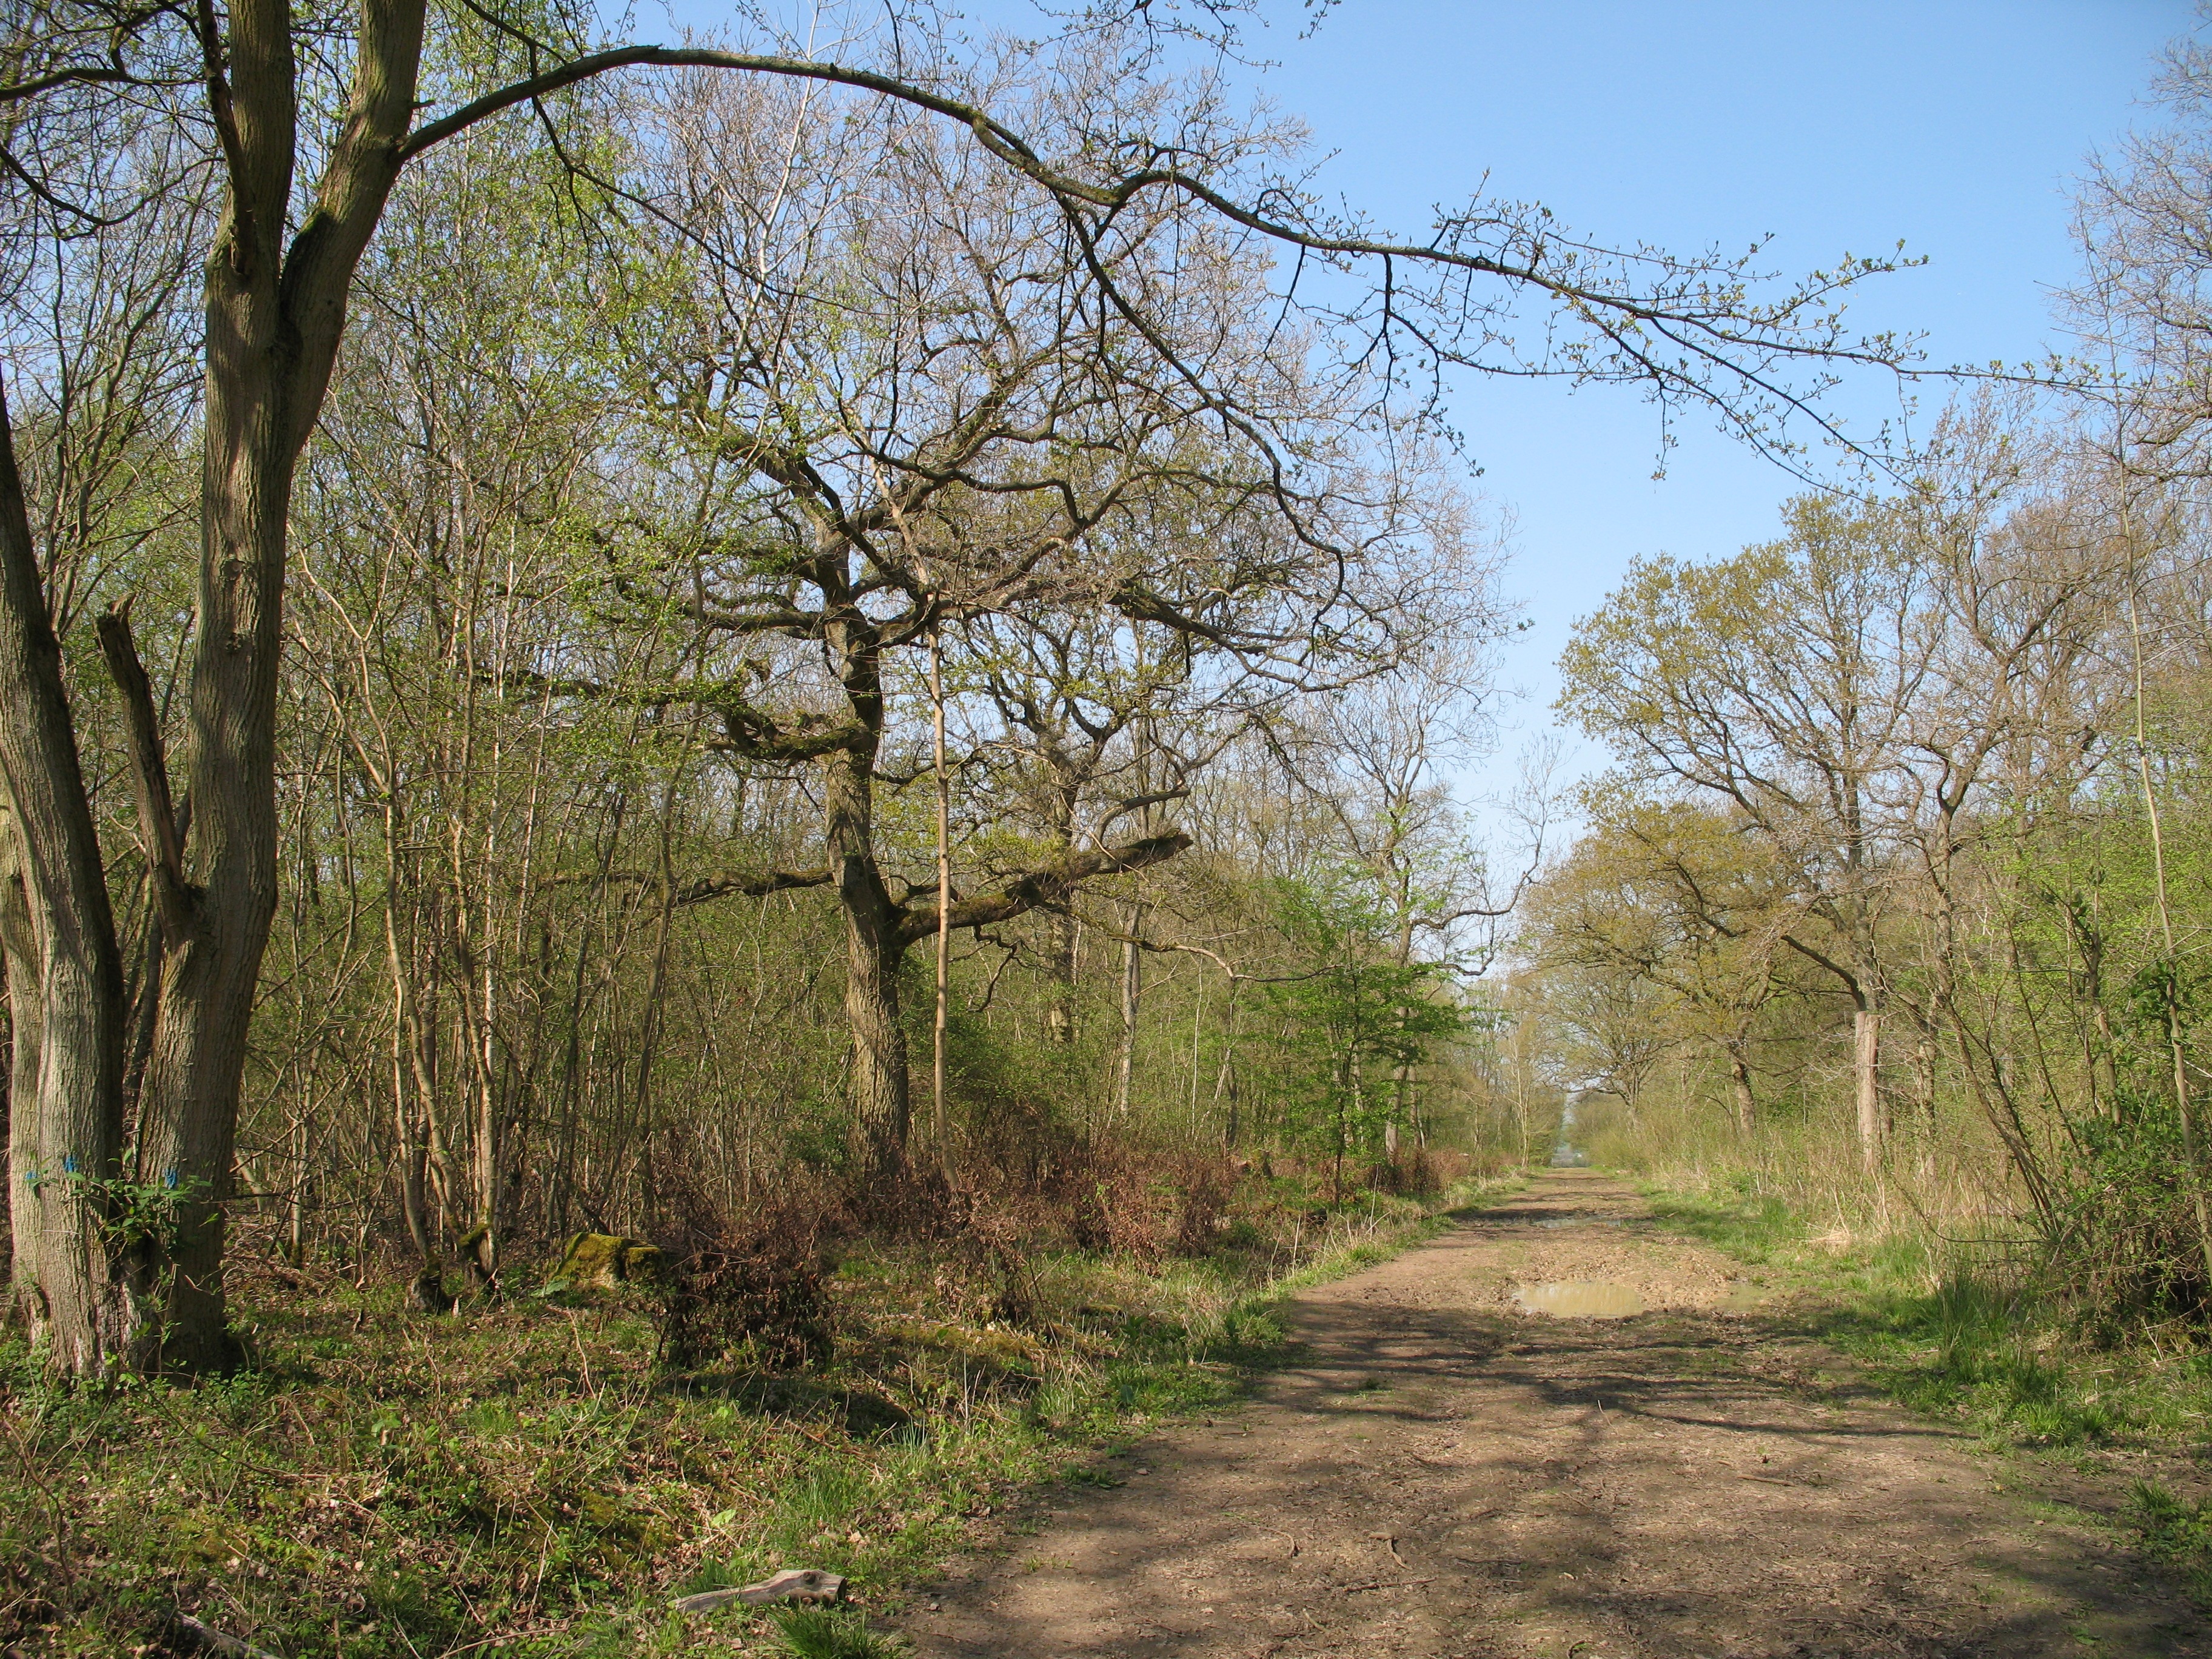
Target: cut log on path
(793, 1584)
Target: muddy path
(1443, 1473)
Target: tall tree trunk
(296, 1205)
(19, 948)
(646, 1115)
(1059, 1026)
(882, 1107)
(476, 1034)
(1224, 1089)
(490, 1148)
(939, 1140)
(410, 1100)
(1746, 1103)
(190, 1114)
(69, 1121)
(564, 1179)
(1866, 1055)
(274, 319)
(1132, 995)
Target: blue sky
(1840, 125)
(1955, 124)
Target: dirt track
(1443, 1475)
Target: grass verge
(1942, 1334)
(524, 1481)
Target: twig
(583, 1359)
(1382, 1584)
(58, 1524)
(215, 1641)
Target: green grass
(2173, 1531)
(522, 1481)
(1972, 1354)
(1752, 1230)
(1945, 1341)
(825, 1633)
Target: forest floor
(525, 1479)
(1444, 1471)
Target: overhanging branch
(1698, 310)
(1042, 888)
(721, 883)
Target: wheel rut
(1444, 1472)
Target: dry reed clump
(1021, 1185)
(1145, 1202)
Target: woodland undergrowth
(530, 1478)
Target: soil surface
(1447, 1472)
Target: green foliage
(140, 1213)
(1861, 773)
(1952, 1345)
(1355, 1013)
(1754, 1228)
(2125, 1222)
(1969, 1353)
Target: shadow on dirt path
(1441, 1473)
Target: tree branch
(1850, 978)
(756, 884)
(722, 884)
(158, 827)
(748, 731)
(1042, 888)
(1694, 309)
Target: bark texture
(274, 319)
(19, 948)
(1866, 1054)
(881, 1099)
(1746, 1103)
(69, 1115)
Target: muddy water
(1586, 1299)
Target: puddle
(1578, 1221)
(1744, 1297)
(1579, 1299)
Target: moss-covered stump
(600, 1261)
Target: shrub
(761, 1294)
